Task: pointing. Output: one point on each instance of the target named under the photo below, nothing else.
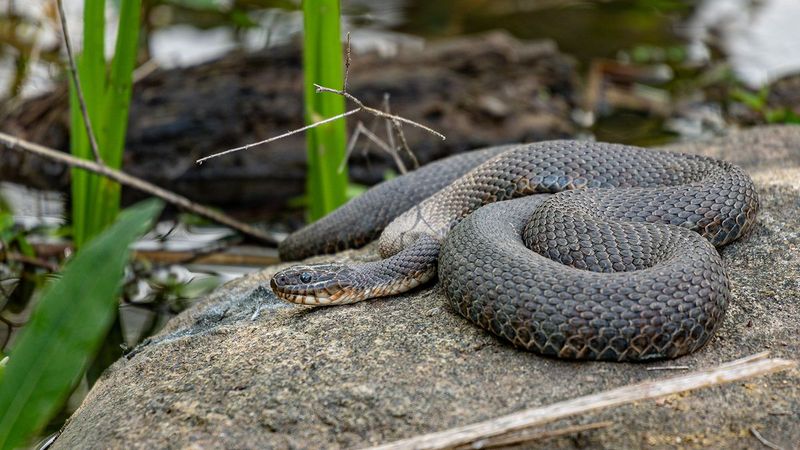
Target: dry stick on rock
(650, 369)
(524, 436)
(750, 366)
(123, 178)
(763, 441)
(77, 82)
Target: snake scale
(572, 249)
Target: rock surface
(243, 370)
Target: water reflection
(760, 38)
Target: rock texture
(243, 370)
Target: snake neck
(398, 273)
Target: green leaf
(3, 364)
(117, 100)
(92, 73)
(66, 328)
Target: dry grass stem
(14, 143)
(73, 70)
(751, 366)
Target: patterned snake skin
(616, 262)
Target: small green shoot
(326, 186)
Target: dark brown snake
(588, 250)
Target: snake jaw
(316, 284)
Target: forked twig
(393, 122)
(377, 112)
(372, 137)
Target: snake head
(316, 284)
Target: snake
(571, 249)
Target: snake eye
(305, 277)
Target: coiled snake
(588, 250)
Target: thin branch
(346, 63)
(77, 82)
(385, 147)
(388, 123)
(351, 144)
(13, 256)
(525, 436)
(123, 178)
(399, 130)
(372, 137)
(763, 440)
(287, 134)
(751, 366)
(377, 112)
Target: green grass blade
(117, 103)
(66, 328)
(322, 59)
(92, 72)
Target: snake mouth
(300, 299)
(316, 285)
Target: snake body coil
(615, 262)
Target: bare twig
(377, 112)
(346, 63)
(143, 71)
(77, 82)
(265, 141)
(372, 137)
(763, 441)
(388, 123)
(524, 436)
(751, 366)
(38, 262)
(12, 143)
(392, 124)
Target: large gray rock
(243, 370)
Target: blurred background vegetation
(649, 72)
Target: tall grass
(326, 186)
(107, 90)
